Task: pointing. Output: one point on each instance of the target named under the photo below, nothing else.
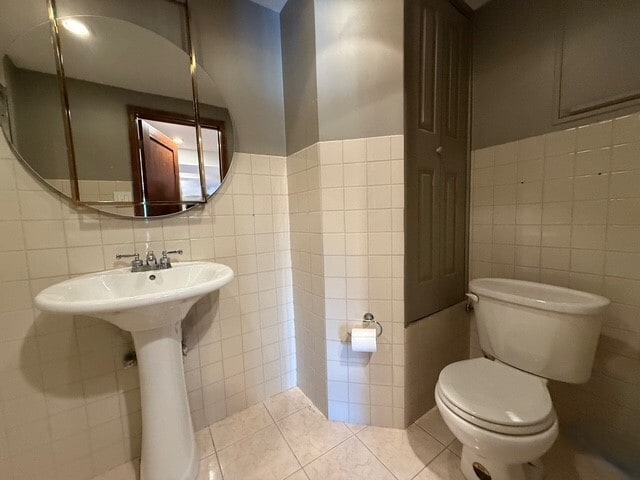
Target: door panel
(426, 251)
(160, 171)
(455, 91)
(436, 105)
(451, 83)
(422, 167)
(449, 225)
(428, 33)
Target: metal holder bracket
(367, 321)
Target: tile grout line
(431, 461)
(430, 434)
(444, 448)
(608, 199)
(352, 434)
(237, 441)
(240, 439)
(331, 449)
(372, 453)
(215, 452)
(283, 436)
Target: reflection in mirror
(32, 103)
(217, 149)
(112, 110)
(165, 159)
(131, 103)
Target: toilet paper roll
(364, 339)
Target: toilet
(499, 406)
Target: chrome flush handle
(472, 299)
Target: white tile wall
(347, 201)
(308, 272)
(68, 410)
(564, 208)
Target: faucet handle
(136, 263)
(165, 261)
(120, 256)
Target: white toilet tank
(546, 330)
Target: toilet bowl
(500, 408)
(499, 441)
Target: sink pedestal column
(169, 450)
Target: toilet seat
(496, 397)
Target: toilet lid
(496, 394)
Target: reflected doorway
(164, 160)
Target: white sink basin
(136, 301)
(151, 305)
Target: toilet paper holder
(367, 321)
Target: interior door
(437, 57)
(159, 178)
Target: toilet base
(475, 467)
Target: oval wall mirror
(111, 122)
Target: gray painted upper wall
(359, 62)
(239, 45)
(35, 120)
(514, 69)
(297, 24)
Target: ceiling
(476, 4)
(276, 5)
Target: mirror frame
(53, 20)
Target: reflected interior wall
(99, 122)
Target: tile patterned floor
(286, 438)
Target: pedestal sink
(151, 305)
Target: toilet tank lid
(539, 295)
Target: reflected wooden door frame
(164, 181)
(136, 112)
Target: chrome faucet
(151, 261)
(136, 264)
(165, 261)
